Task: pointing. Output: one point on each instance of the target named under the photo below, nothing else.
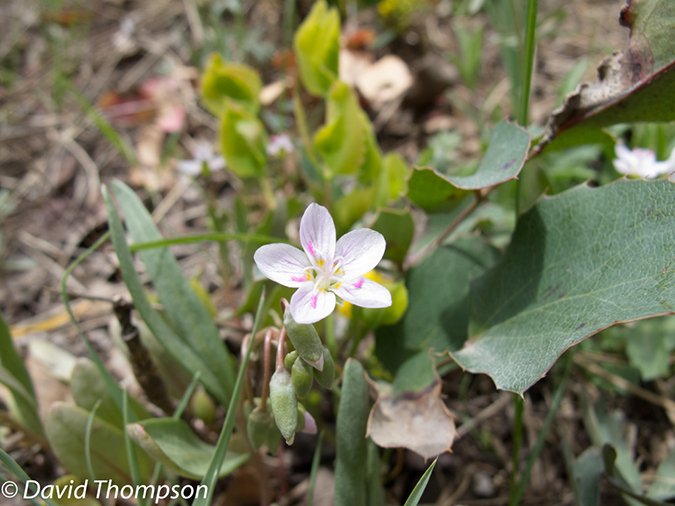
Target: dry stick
(141, 363)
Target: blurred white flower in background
(204, 157)
(641, 162)
(280, 146)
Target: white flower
(325, 272)
(280, 145)
(641, 162)
(203, 154)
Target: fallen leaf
(384, 81)
(418, 421)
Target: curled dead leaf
(419, 421)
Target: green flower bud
(284, 403)
(259, 426)
(290, 359)
(326, 377)
(302, 377)
(305, 340)
(203, 406)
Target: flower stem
(266, 377)
(330, 335)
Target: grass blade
(87, 440)
(316, 460)
(134, 467)
(417, 492)
(213, 236)
(224, 439)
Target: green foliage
(284, 403)
(65, 426)
(351, 442)
(470, 53)
(398, 228)
(506, 154)
(172, 443)
(420, 487)
(316, 48)
(566, 276)
(243, 141)
(233, 81)
(187, 314)
(14, 376)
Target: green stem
(523, 116)
(301, 121)
(287, 27)
(553, 410)
(519, 404)
(214, 236)
(330, 335)
(218, 225)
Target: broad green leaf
(14, 375)
(415, 374)
(234, 81)
(243, 140)
(438, 310)
(398, 228)
(65, 426)
(578, 262)
(505, 156)
(88, 387)
(180, 349)
(663, 486)
(341, 142)
(350, 207)
(316, 48)
(649, 345)
(635, 85)
(351, 443)
(397, 171)
(416, 494)
(173, 443)
(187, 314)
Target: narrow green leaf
(132, 456)
(578, 263)
(351, 442)
(506, 155)
(172, 442)
(214, 236)
(87, 440)
(15, 469)
(313, 473)
(14, 375)
(187, 314)
(421, 486)
(224, 439)
(316, 47)
(588, 469)
(164, 333)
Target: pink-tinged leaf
(282, 263)
(361, 250)
(317, 232)
(364, 292)
(309, 304)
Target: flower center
(324, 274)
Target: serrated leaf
(635, 85)
(187, 314)
(317, 48)
(179, 349)
(173, 443)
(341, 142)
(438, 309)
(65, 426)
(351, 442)
(243, 141)
(505, 156)
(234, 81)
(578, 262)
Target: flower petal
(283, 264)
(309, 304)
(190, 167)
(217, 163)
(361, 250)
(317, 232)
(363, 292)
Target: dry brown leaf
(384, 81)
(418, 421)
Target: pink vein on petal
(298, 278)
(359, 283)
(310, 248)
(313, 301)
